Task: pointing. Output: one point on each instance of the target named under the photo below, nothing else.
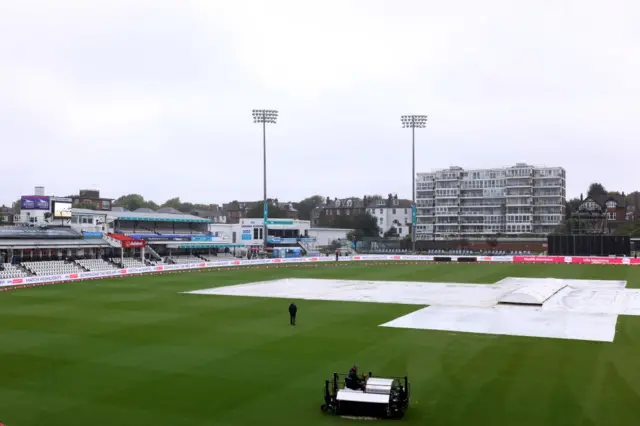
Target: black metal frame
(398, 401)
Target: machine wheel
(324, 408)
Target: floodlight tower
(414, 122)
(265, 116)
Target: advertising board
(86, 234)
(279, 240)
(134, 244)
(61, 209)
(246, 234)
(32, 202)
(40, 280)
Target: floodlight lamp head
(414, 121)
(265, 116)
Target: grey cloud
(93, 92)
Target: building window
(611, 215)
(381, 211)
(611, 204)
(393, 211)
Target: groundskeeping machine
(379, 397)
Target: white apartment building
(458, 203)
(391, 213)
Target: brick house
(612, 207)
(6, 215)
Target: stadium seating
(96, 264)
(11, 271)
(52, 267)
(129, 262)
(125, 229)
(481, 252)
(185, 259)
(139, 231)
(220, 256)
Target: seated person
(352, 381)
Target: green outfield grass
(135, 352)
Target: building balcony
(547, 177)
(511, 174)
(447, 178)
(547, 195)
(548, 204)
(548, 184)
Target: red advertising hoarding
(134, 244)
(577, 260)
(539, 259)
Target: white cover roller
(377, 391)
(378, 385)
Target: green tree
(367, 223)
(173, 203)
(364, 222)
(189, 207)
(596, 189)
(391, 233)
(355, 235)
(257, 211)
(306, 206)
(135, 201)
(571, 206)
(630, 228)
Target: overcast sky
(155, 97)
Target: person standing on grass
(293, 310)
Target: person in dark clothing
(352, 381)
(293, 310)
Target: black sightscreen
(588, 245)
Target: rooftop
(490, 169)
(28, 232)
(52, 243)
(145, 216)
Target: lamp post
(414, 122)
(265, 116)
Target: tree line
(363, 224)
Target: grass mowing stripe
(136, 351)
